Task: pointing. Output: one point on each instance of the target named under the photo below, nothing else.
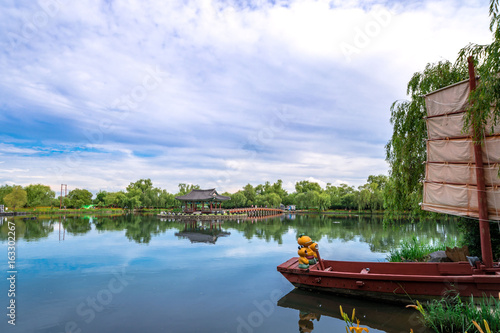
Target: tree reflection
(381, 234)
(30, 230)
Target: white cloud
(102, 94)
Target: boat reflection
(381, 316)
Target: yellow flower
(358, 329)
(418, 307)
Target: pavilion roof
(203, 195)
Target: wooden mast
(484, 226)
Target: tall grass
(416, 250)
(451, 314)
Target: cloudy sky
(220, 93)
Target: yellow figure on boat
(306, 241)
(303, 260)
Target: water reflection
(202, 232)
(373, 230)
(311, 306)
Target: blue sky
(97, 94)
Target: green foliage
(307, 186)
(472, 238)
(4, 190)
(406, 150)
(487, 93)
(250, 194)
(238, 200)
(100, 198)
(141, 193)
(416, 250)
(371, 194)
(39, 195)
(186, 188)
(16, 198)
(324, 201)
(79, 197)
(451, 314)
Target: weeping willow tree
(406, 150)
(487, 61)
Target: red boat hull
(395, 282)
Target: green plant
(451, 314)
(416, 250)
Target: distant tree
(250, 194)
(347, 196)
(167, 199)
(300, 200)
(100, 198)
(186, 188)
(324, 201)
(306, 186)
(146, 192)
(4, 190)
(261, 189)
(133, 198)
(277, 188)
(238, 199)
(335, 195)
(55, 202)
(273, 200)
(289, 199)
(39, 195)
(16, 198)
(79, 197)
(312, 199)
(65, 202)
(260, 200)
(370, 195)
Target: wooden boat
(461, 179)
(394, 282)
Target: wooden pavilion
(210, 197)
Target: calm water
(142, 274)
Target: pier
(256, 212)
(235, 213)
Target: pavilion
(196, 197)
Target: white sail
(450, 179)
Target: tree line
(142, 193)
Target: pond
(136, 273)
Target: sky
(219, 93)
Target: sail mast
(484, 226)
